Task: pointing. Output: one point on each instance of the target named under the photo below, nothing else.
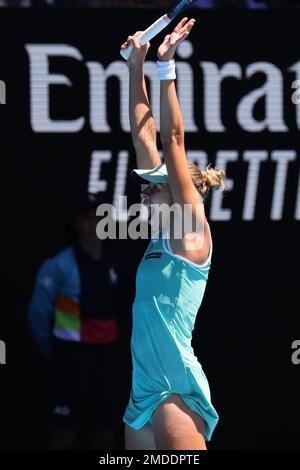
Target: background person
(72, 316)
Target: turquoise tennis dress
(169, 292)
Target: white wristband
(166, 69)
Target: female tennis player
(170, 405)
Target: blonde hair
(206, 179)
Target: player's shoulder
(61, 259)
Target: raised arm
(142, 123)
(172, 130)
(182, 186)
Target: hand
(167, 49)
(139, 52)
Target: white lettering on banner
(254, 158)
(209, 113)
(40, 81)
(120, 183)
(198, 157)
(217, 212)
(282, 158)
(213, 76)
(95, 183)
(272, 91)
(98, 102)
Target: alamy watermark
(137, 221)
(2, 92)
(296, 354)
(2, 353)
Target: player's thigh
(139, 439)
(177, 427)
